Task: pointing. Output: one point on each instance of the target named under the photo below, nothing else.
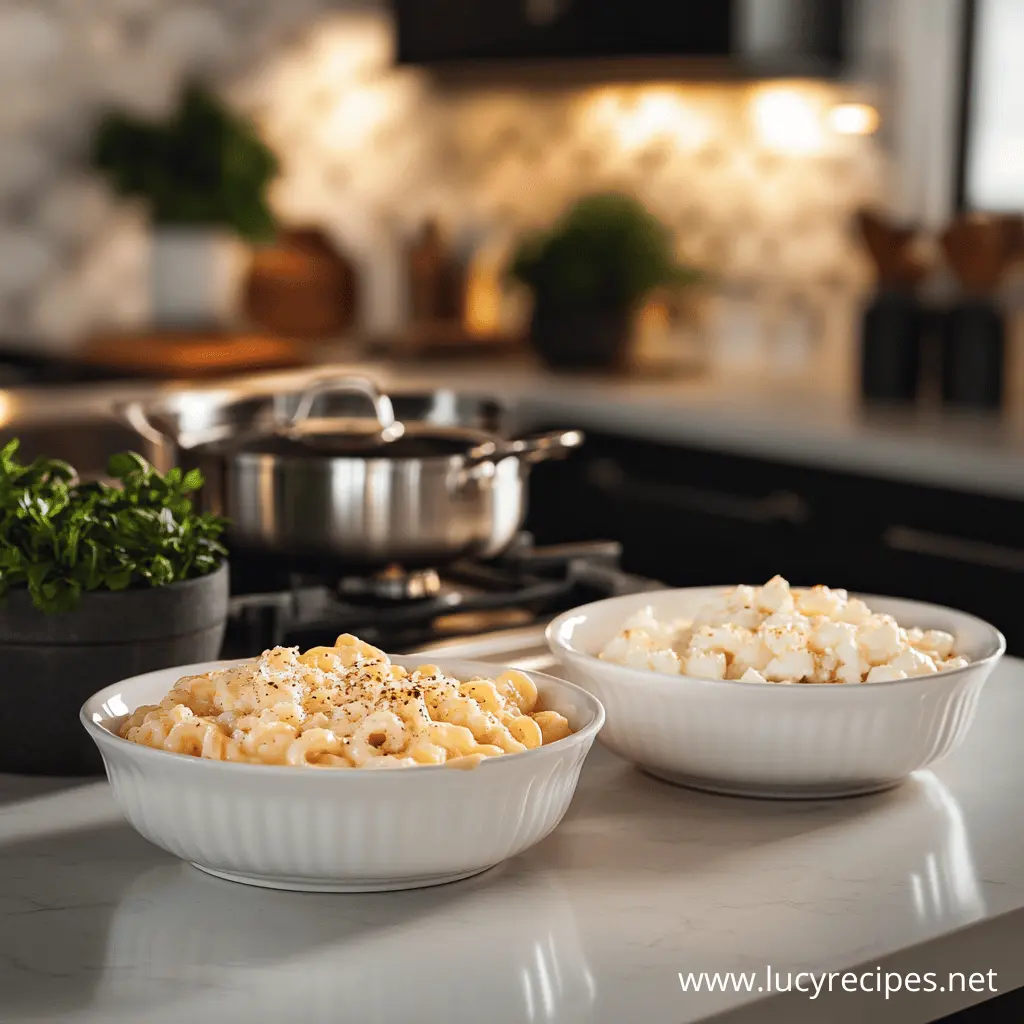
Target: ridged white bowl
(341, 830)
(758, 739)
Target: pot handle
(132, 414)
(382, 407)
(480, 463)
(554, 445)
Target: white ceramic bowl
(341, 830)
(758, 739)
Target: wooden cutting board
(193, 355)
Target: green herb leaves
(60, 538)
(204, 166)
(605, 253)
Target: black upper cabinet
(738, 36)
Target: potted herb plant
(588, 274)
(98, 582)
(204, 174)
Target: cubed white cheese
(644, 620)
(706, 665)
(751, 675)
(828, 635)
(727, 638)
(774, 596)
(820, 601)
(793, 666)
(935, 642)
(913, 662)
(879, 640)
(741, 597)
(785, 631)
(779, 635)
(884, 674)
(753, 654)
(855, 611)
(851, 667)
(825, 665)
(665, 661)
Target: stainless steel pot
(366, 492)
(196, 416)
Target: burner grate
(398, 611)
(393, 584)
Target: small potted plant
(204, 174)
(588, 274)
(98, 582)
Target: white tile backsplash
(24, 167)
(26, 257)
(32, 43)
(369, 151)
(75, 209)
(194, 38)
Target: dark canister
(892, 336)
(973, 355)
(895, 320)
(979, 248)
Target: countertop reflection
(641, 881)
(509, 938)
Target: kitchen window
(992, 158)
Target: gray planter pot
(52, 663)
(581, 339)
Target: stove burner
(393, 584)
(400, 610)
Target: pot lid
(363, 439)
(378, 437)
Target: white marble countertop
(813, 421)
(640, 882)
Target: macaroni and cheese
(775, 634)
(345, 706)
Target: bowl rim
(559, 647)
(582, 737)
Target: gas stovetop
(400, 611)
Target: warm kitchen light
(654, 115)
(353, 49)
(357, 114)
(6, 408)
(653, 318)
(787, 119)
(854, 119)
(602, 107)
(663, 114)
(482, 308)
(641, 117)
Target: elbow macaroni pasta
(345, 706)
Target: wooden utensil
(302, 287)
(979, 248)
(892, 248)
(436, 278)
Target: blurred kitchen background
(784, 303)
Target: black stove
(400, 610)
